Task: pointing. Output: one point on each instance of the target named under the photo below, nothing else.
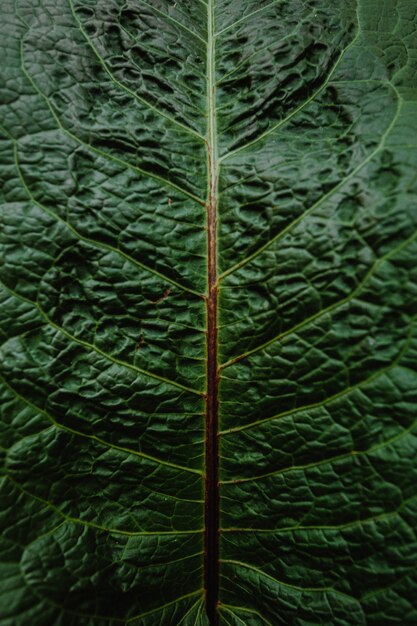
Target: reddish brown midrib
(212, 506)
(211, 552)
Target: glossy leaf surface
(128, 127)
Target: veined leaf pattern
(209, 233)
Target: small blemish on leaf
(164, 295)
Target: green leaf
(208, 360)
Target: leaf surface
(208, 290)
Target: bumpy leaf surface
(137, 139)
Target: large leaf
(209, 224)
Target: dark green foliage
(104, 115)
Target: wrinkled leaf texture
(104, 120)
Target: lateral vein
(123, 87)
(94, 348)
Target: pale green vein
(200, 608)
(232, 608)
(374, 519)
(124, 87)
(324, 198)
(149, 566)
(93, 242)
(190, 610)
(96, 616)
(254, 54)
(102, 153)
(247, 17)
(226, 621)
(285, 584)
(178, 23)
(98, 527)
(164, 606)
(330, 399)
(93, 348)
(336, 305)
(99, 440)
(187, 87)
(83, 475)
(352, 454)
(376, 592)
(302, 106)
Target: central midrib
(211, 539)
